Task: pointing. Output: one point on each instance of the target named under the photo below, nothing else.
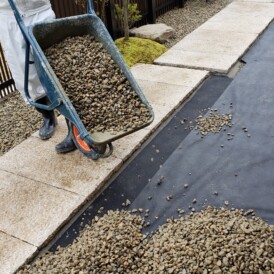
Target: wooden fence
(150, 10)
(7, 85)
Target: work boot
(67, 144)
(49, 120)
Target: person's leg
(67, 144)
(36, 90)
(47, 129)
(13, 44)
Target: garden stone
(158, 32)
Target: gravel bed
(187, 19)
(217, 241)
(18, 120)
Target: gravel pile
(18, 120)
(213, 123)
(95, 85)
(211, 241)
(187, 19)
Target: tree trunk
(126, 28)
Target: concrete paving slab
(245, 24)
(217, 36)
(163, 94)
(33, 211)
(168, 75)
(215, 41)
(198, 60)
(74, 172)
(13, 253)
(250, 9)
(163, 110)
(232, 16)
(259, 1)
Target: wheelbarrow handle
(90, 7)
(54, 104)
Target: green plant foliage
(138, 50)
(134, 15)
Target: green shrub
(138, 50)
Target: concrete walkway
(40, 190)
(218, 43)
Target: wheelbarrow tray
(43, 35)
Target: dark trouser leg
(67, 144)
(49, 120)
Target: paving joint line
(21, 240)
(40, 182)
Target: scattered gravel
(187, 19)
(211, 241)
(18, 120)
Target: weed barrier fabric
(239, 171)
(263, 49)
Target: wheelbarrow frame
(37, 37)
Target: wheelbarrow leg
(67, 144)
(49, 120)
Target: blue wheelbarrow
(43, 35)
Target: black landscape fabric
(263, 49)
(233, 168)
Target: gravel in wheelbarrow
(99, 91)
